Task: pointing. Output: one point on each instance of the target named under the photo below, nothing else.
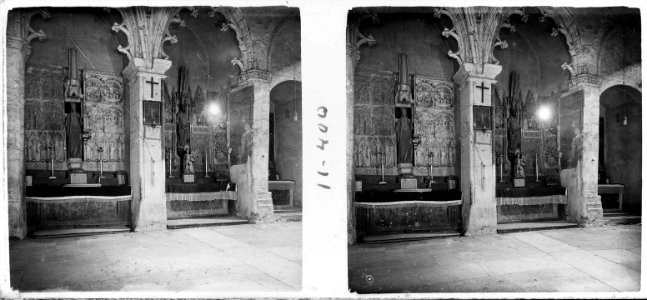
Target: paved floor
(236, 258)
(565, 260)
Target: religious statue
(73, 132)
(514, 118)
(519, 166)
(404, 135)
(184, 113)
(189, 157)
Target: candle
(206, 163)
(536, 167)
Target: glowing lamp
(214, 109)
(543, 113)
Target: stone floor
(245, 258)
(564, 260)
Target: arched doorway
(285, 149)
(620, 153)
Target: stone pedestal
(519, 182)
(146, 156)
(478, 174)
(405, 169)
(408, 183)
(74, 163)
(78, 178)
(188, 178)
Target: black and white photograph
(321, 149)
(519, 168)
(153, 179)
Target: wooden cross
(152, 83)
(483, 88)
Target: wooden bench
(612, 189)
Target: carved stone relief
(44, 117)
(434, 123)
(101, 86)
(104, 119)
(374, 123)
(431, 92)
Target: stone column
(17, 51)
(146, 156)
(478, 173)
(255, 199)
(584, 204)
(351, 60)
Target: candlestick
(431, 168)
(170, 163)
(382, 167)
(537, 167)
(52, 159)
(206, 163)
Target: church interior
(471, 121)
(143, 119)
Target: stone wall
(623, 145)
(288, 141)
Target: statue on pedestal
(73, 133)
(189, 157)
(404, 136)
(519, 172)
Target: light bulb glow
(214, 109)
(544, 113)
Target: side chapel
(467, 120)
(138, 116)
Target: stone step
(292, 214)
(204, 222)
(84, 231)
(533, 226)
(614, 214)
(622, 219)
(406, 237)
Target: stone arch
(621, 154)
(287, 152)
(607, 42)
(630, 76)
(238, 23)
(292, 72)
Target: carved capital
(254, 75)
(588, 80)
(139, 65)
(469, 71)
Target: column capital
(156, 66)
(585, 81)
(254, 76)
(480, 71)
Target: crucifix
(152, 83)
(483, 88)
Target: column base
(264, 209)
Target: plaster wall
(418, 36)
(289, 146)
(623, 161)
(85, 29)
